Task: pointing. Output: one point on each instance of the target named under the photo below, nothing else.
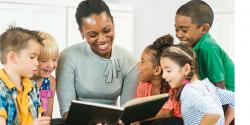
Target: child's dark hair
(88, 7)
(156, 49)
(16, 39)
(199, 11)
(182, 54)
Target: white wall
(154, 18)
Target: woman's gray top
(83, 75)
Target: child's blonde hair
(50, 48)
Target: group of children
(27, 55)
(197, 86)
(164, 68)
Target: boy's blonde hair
(50, 48)
(16, 39)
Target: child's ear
(157, 70)
(11, 57)
(205, 28)
(187, 69)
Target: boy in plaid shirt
(19, 100)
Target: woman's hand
(135, 123)
(43, 120)
(119, 123)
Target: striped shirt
(202, 97)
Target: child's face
(146, 67)
(46, 67)
(172, 72)
(26, 61)
(186, 31)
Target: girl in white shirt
(201, 102)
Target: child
(152, 83)
(193, 21)
(19, 100)
(47, 64)
(200, 100)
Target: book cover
(89, 113)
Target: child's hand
(2, 121)
(43, 120)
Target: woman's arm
(129, 86)
(210, 119)
(65, 76)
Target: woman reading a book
(151, 83)
(95, 70)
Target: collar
(198, 44)
(27, 83)
(113, 66)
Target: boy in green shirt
(193, 21)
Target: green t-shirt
(213, 62)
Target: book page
(99, 105)
(143, 99)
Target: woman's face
(172, 72)
(146, 67)
(99, 33)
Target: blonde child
(19, 100)
(201, 102)
(47, 64)
(151, 82)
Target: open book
(89, 113)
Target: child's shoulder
(51, 77)
(2, 85)
(196, 87)
(208, 44)
(52, 81)
(4, 90)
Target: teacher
(95, 70)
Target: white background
(242, 62)
(153, 18)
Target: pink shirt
(144, 90)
